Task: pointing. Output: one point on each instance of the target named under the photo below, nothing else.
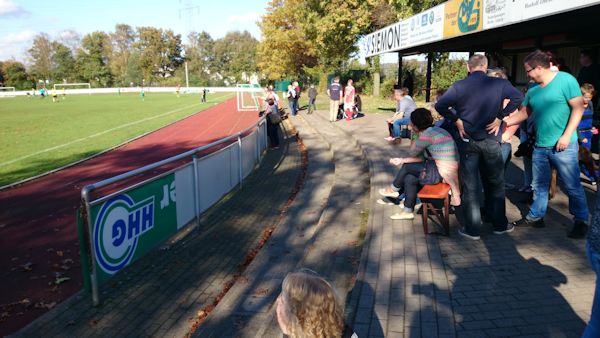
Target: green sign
(128, 225)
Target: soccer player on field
(177, 89)
(142, 94)
(64, 94)
(54, 96)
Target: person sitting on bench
(437, 144)
(405, 106)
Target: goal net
(7, 92)
(73, 88)
(247, 97)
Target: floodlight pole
(187, 82)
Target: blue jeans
(482, 159)
(312, 106)
(398, 123)
(506, 153)
(567, 164)
(292, 107)
(592, 329)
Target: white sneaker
(386, 193)
(403, 215)
(417, 206)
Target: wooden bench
(433, 193)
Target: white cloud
(244, 18)
(8, 8)
(13, 44)
(16, 38)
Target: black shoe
(509, 228)
(464, 233)
(579, 230)
(524, 222)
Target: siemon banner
(384, 40)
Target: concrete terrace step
(321, 232)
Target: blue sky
(21, 20)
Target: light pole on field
(187, 82)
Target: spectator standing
(558, 106)
(404, 107)
(272, 94)
(585, 126)
(349, 93)
(298, 92)
(478, 101)
(589, 73)
(312, 99)
(585, 129)
(335, 94)
(291, 96)
(273, 121)
(593, 252)
(506, 141)
(204, 94)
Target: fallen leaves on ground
(61, 280)
(44, 305)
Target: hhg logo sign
(117, 229)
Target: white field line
(95, 135)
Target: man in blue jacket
(478, 101)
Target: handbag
(429, 174)
(405, 133)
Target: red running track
(38, 234)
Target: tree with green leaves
(92, 59)
(15, 75)
(63, 63)
(160, 52)
(200, 55)
(235, 55)
(40, 55)
(122, 40)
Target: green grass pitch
(37, 135)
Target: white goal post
(7, 92)
(58, 86)
(246, 95)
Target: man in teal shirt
(557, 106)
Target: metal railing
(131, 228)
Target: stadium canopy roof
(490, 26)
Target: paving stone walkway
(529, 283)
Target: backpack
(274, 117)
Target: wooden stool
(432, 193)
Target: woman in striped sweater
(431, 141)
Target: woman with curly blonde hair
(308, 307)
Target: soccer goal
(247, 98)
(7, 92)
(77, 88)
